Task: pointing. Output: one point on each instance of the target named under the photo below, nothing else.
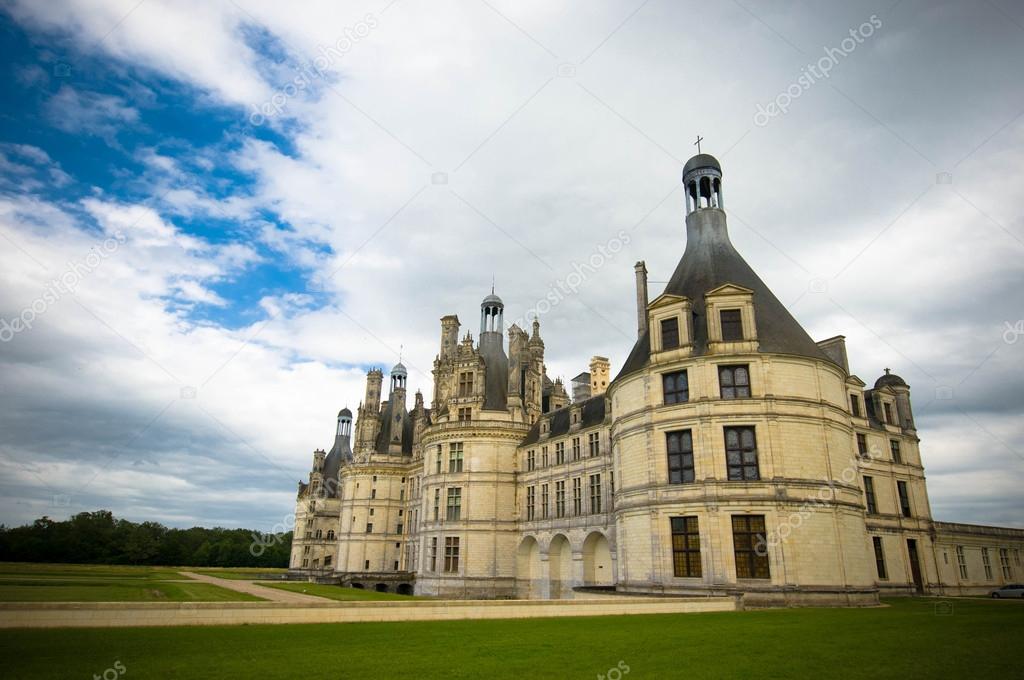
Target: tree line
(99, 538)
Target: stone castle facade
(732, 454)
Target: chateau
(732, 454)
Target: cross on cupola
(697, 143)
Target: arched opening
(381, 587)
(560, 566)
(404, 589)
(358, 585)
(528, 568)
(597, 561)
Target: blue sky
(291, 197)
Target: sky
(217, 215)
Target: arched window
(330, 535)
(319, 533)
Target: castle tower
(492, 350)
(720, 343)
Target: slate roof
(710, 261)
(592, 413)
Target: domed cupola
(399, 376)
(492, 312)
(890, 380)
(344, 423)
(702, 177)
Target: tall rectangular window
(594, 444)
(879, 558)
(670, 333)
(862, 444)
(901, 490)
(437, 503)
(741, 454)
(887, 408)
(1004, 563)
(433, 553)
(453, 511)
(531, 460)
(466, 384)
(577, 496)
(544, 501)
(575, 448)
(680, 456)
(734, 382)
(961, 561)
(685, 547)
(455, 457)
(560, 499)
(451, 554)
(732, 325)
(987, 563)
(531, 500)
(438, 459)
(855, 405)
(675, 387)
(750, 544)
(1016, 557)
(894, 447)
(369, 527)
(869, 496)
(543, 456)
(595, 494)
(559, 453)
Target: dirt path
(251, 587)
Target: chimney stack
(641, 297)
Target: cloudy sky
(215, 216)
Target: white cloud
(540, 170)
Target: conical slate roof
(709, 262)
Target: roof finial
(492, 283)
(887, 371)
(697, 143)
(400, 349)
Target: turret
(449, 336)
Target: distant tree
(99, 538)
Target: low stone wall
(101, 615)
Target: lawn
(18, 570)
(919, 638)
(238, 573)
(105, 583)
(339, 592)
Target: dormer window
(732, 325)
(670, 333)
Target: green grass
(910, 639)
(16, 570)
(339, 592)
(238, 573)
(105, 583)
(119, 592)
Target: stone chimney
(641, 297)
